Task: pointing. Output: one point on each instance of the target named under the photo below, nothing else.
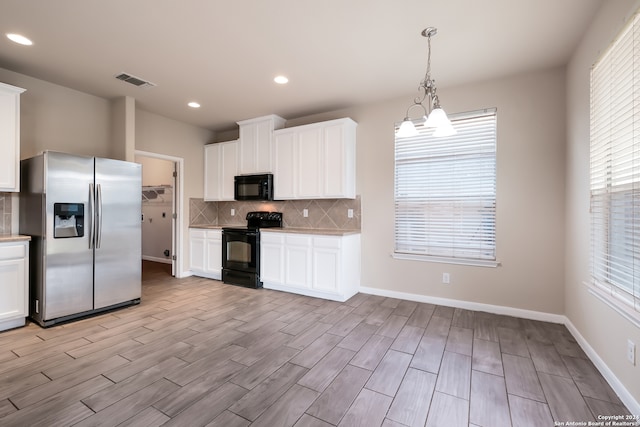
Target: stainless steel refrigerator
(84, 218)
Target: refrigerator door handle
(92, 229)
(98, 216)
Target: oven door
(240, 250)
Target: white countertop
(317, 231)
(13, 238)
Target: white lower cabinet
(205, 247)
(298, 249)
(14, 284)
(310, 264)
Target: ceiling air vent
(136, 81)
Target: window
(615, 169)
(445, 192)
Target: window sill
(619, 306)
(445, 260)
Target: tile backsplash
(325, 214)
(5, 213)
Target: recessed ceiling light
(193, 105)
(281, 80)
(17, 38)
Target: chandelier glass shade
(427, 99)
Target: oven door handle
(241, 233)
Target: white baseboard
(184, 274)
(627, 398)
(156, 259)
(468, 305)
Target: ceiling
(336, 53)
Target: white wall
(605, 330)
(57, 118)
(530, 196)
(160, 135)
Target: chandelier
(427, 100)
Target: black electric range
(241, 249)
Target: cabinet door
(263, 135)
(9, 137)
(298, 261)
(309, 150)
(229, 168)
(212, 181)
(326, 264)
(197, 250)
(285, 177)
(248, 148)
(12, 289)
(335, 162)
(272, 258)
(220, 167)
(214, 252)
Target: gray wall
(57, 118)
(604, 329)
(530, 196)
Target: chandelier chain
(427, 100)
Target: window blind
(615, 168)
(445, 190)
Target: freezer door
(67, 287)
(118, 240)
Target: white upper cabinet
(256, 137)
(10, 137)
(285, 178)
(309, 162)
(220, 167)
(339, 154)
(316, 161)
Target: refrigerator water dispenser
(68, 220)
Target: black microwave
(253, 187)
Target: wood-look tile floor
(198, 352)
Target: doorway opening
(161, 213)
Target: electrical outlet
(305, 213)
(349, 213)
(631, 352)
(233, 212)
(446, 279)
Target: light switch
(349, 213)
(305, 213)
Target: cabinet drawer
(214, 235)
(198, 234)
(273, 238)
(13, 251)
(299, 240)
(327, 242)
